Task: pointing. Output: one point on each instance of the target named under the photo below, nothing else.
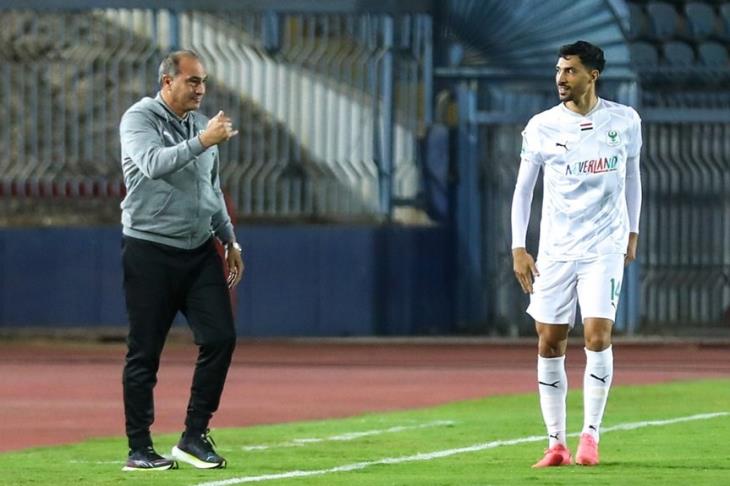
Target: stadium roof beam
(518, 37)
(617, 72)
(299, 6)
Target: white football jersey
(583, 159)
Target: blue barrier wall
(300, 280)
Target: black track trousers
(159, 281)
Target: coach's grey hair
(170, 65)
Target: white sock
(596, 383)
(553, 388)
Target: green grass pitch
(652, 435)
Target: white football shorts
(595, 284)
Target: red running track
(54, 393)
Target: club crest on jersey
(612, 138)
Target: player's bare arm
(525, 269)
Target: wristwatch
(234, 245)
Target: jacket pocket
(163, 204)
(158, 208)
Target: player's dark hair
(590, 56)
(170, 65)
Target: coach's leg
(208, 309)
(150, 309)
(552, 379)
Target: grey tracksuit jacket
(173, 187)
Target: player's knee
(549, 348)
(552, 340)
(597, 342)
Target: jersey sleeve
(530, 163)
(531, 144)
(633, 193)
(635, 140)
(522, 202)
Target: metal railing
(685, 244)
(330, 106)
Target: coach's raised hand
(219, 129)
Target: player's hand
(234, 259)
(219, 129)
(525, 269)
(631, 249)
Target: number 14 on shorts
(615, 291)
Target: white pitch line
(301, 442)
(449, 452)
(349, 435)
(96, 462)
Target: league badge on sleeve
(612, 138)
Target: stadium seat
(724, 24)
(712, 54)
(643, 55)
(637, 22)
(678, 54)
(699, 20)
(662, 19)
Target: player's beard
(566, 95)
